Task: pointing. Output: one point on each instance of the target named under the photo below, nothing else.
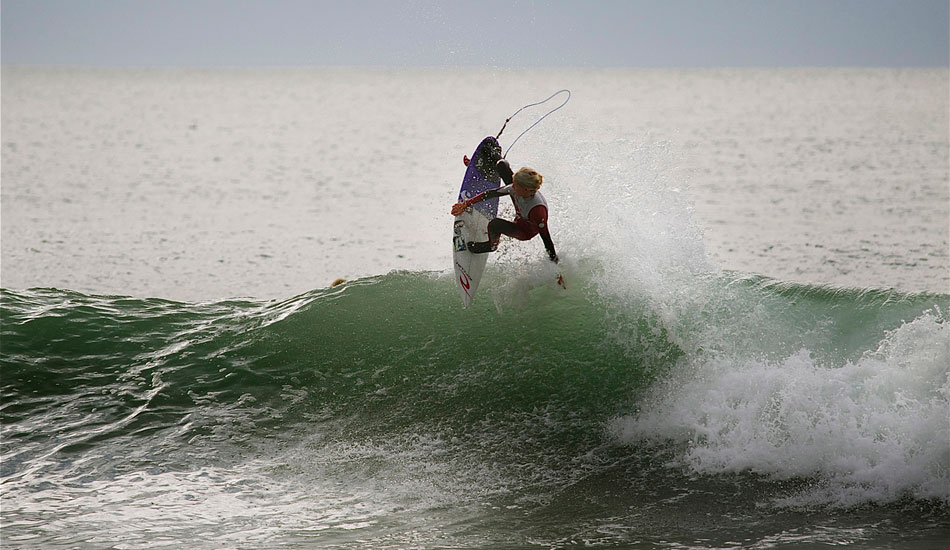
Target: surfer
(531, 210)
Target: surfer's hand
(466, 160)
(504, 171)
(560, 281)
(459, 207)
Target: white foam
(875, 429)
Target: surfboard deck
(472, 225)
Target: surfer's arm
(460, 207)
(539, 217)
(504, 170)
(549, 245)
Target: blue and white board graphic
(472, 225)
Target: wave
(730, 374)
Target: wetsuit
(531, 216)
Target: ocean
(752, 350)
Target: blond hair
(528, 178)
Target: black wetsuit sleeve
(504, 170)
(549, 245)
(485, 195)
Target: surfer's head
(528, 180)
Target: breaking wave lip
(873, 429)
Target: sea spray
(619, 216)
(845, 386)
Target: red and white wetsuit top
(531, 213)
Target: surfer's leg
(496, 228)
(523, 231)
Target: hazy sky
(586, 33)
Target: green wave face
(395, 350)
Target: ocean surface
(752, 351)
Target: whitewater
(752, 350)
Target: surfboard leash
(507, 120)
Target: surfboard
(472, 225)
